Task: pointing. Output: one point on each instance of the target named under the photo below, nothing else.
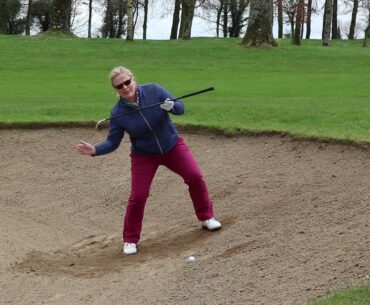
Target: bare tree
(229, 16)
(299, 22)
(334, 28)
(114, 23)
(238, 21)
(279, 5)
(90, 19)
(175, 19)
(130, 23)
(145, 22)
(29, 18)
(327, 23)
(308, 19)
(352, 28)
(259, 31)
(367, 30)
(187, 15)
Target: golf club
(99, 123)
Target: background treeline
(228, 18)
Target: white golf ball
(191, 259)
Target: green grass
(355, 296)
(306, 91)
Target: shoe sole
(215, 229)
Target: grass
(355, 296)
(306, 91)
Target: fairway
(307, 91)
(295, 223)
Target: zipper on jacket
(151, 129)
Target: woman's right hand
(85, 148)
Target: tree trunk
(218, 19)
(119, 30)
(328, 19)
(175, 19)
(298, 25)
(145, 18)
(367, 32)
(280, 18)
(187, 16)
(28, 18)
(90, 18)
(353, 20)
(334, 29)
(259, 31)
(225, 18)
(3, 17)
(130, 21)
(308, 20)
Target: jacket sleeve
(112, 141)
(178, 107)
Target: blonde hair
(120, 70)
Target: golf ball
(191, 259)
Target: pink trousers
(181, 161)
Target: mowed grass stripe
(306, 91)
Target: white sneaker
(129, 248)
(211, 224)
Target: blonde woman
(154, 142)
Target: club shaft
(194, 93)
(157, 104)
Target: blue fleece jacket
(151, 130)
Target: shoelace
(130, 244)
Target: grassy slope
(306, 91)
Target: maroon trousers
(143, 168)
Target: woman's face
(125, 86)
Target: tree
(279, 5)
(42, 12)
(228, 15)
(334, 28)
(367, 30)
(3, 17)
(259, 31)
(327, 22)
(146, 4)
(238, 21)
(308, 19)
(352, 28)
(11, 21)
(62, 16)
(187, 15)
(130, 23)
(29, 18)
(290, 10)
(299, 22)
(114, 20)
(175, 19)
(90, 19)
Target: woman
(154, 142)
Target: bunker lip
(199, 129)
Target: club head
(99, 126)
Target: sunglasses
(125, 83)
